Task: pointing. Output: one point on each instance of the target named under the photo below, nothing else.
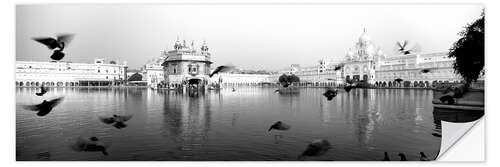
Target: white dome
(364, 38)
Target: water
(226, 125)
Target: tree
(468, 51)
(135, 77)
(286, 80)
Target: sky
(250, 36)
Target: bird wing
(66, 38)
(107, 120)
(224, 68)
(43, 89)
(51, 43)
(55, 102)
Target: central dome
(364, 38)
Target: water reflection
(226, 125)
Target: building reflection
(187, 117)
(456, 116)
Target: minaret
(204, 47)
(177, 44)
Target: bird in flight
(45, 107)
(57, 45)
(118, 121)
(317, 147)
(92, 144)
(398, 80)
(224, 68)
(279, 126)
(425, 70)
(42, 91)
(330, 94)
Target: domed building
(186, 66)
(360, 62)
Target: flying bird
(42, 91)
(219, 69)
(338, 67)
(425, 70)
(402, 47)
(423, 157)
(317, 147)
(330, 94)
(279, 126)
(118, 121)
(386, 157)
(45, 107)
(57, 44)
(402, 156)
(92, 144)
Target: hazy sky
(249, 36)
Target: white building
(61, 73)
(153, 70)
(185, 65)
(229, 79)
(367, 62)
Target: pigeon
(92, 144)
(42, 91)
(118, 121)
(219, 69)
(279, 126)
(330, 94)
(45, 107)
(386, 157)
(403, 156)
(56, 44)
(423, 157)
(317, 147)
(425, 71)
(338, 67)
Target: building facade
(154, 72)
(184, 65)
(367, 62)
(60, 73)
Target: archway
(434, 83)
(20, 83)
(426, 84)
(390, 84)
(415, 83)
(33, 84)
(37, 84)
(421, 84)
(407, 83)
(52, 84)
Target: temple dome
(364, 38)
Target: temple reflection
(187, 117)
